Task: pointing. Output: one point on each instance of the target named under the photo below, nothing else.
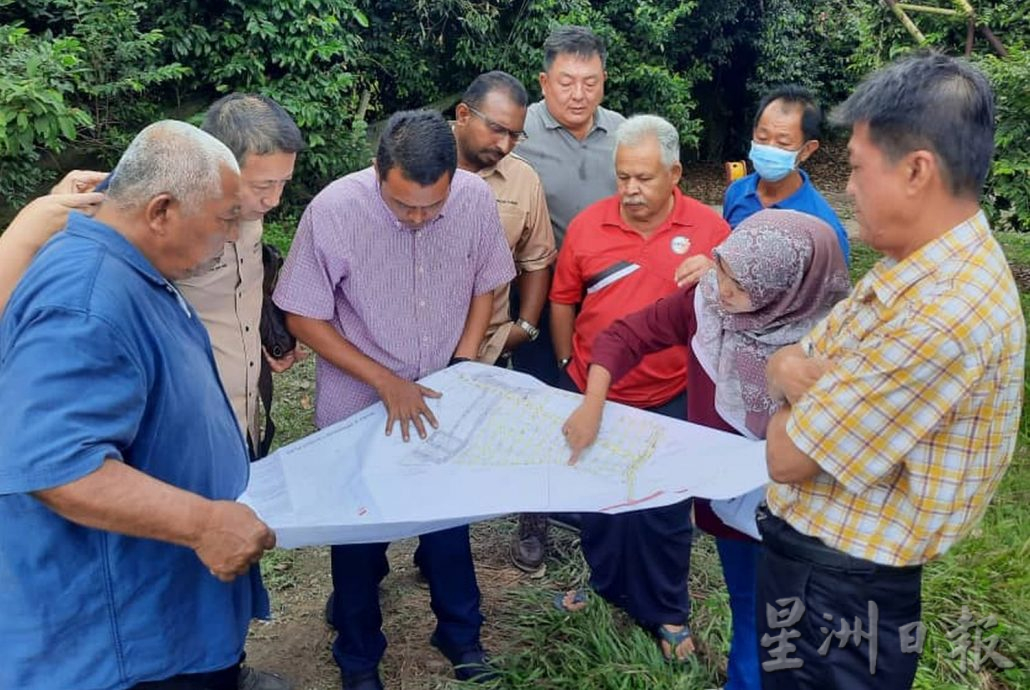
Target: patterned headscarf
(791, 266)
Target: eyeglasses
(497, 128)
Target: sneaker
(471, 664)
(251, 679)
(362, 681)
(529, 545)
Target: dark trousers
(445, 558)
(808, 591)
(640, 561)
(226, 679)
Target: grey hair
(171, 157)
(636, 129)
(931, 102)
(249, 123)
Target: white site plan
(498, 450)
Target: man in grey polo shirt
(571, 144)
(569, 140)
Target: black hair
(933, 102)
(489, 82)
(573, 40)
(420, 143)
(793, 94)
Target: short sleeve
(567, 286)
(314, 266)
(536, 248)
(494, 265)
(71, 397)
(867, 413)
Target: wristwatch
(532, 331)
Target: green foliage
(74, 70)
(305, 55)
(1008, 187)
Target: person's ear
(921, 169)
(807, 149)
(159, 213)
(542, 79)
(462, 114)
(677, 172)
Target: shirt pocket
(513, 220)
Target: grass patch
(600, 648)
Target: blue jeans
(740, 570)
(446, 561)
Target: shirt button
(251, 364)
(420, 269)
(247, 329)
(421, 303)
(425, 338)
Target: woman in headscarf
(776, 275)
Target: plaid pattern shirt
(917, 421)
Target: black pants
(812, 598)
(226, 679)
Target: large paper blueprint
(498, 450)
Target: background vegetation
(79, 77)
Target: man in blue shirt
(786, 134)
(121, 457)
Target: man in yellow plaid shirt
(902, 406)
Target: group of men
(130, 356)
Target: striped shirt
(917, 421)
(401, 296)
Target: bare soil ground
(297, 643)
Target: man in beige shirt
(228, 298)
(488, 125)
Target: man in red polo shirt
(620, 255)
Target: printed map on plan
(498, 450)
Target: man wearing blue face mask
(786, 133)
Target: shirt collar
(890, 279)
(752, 187)
(116, 243)
(502, 169)
(600, 119)
(678, 216)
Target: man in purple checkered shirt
(390, 277)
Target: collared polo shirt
(575, 173)
(228, 299)
(916, 422)
(401, 296)
(527, 227)
(101, 358)
(611, 270)
(741, 201)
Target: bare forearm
(786, 463)
(328, 344)
(563, 317)
(475, 326)
(599, 380)
(119, 498)
(16, 253)
(533, 287)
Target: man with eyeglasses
(571, 145)
(488, 124)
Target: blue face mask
(771, 162)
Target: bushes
(82, 76)
(1008, 187)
